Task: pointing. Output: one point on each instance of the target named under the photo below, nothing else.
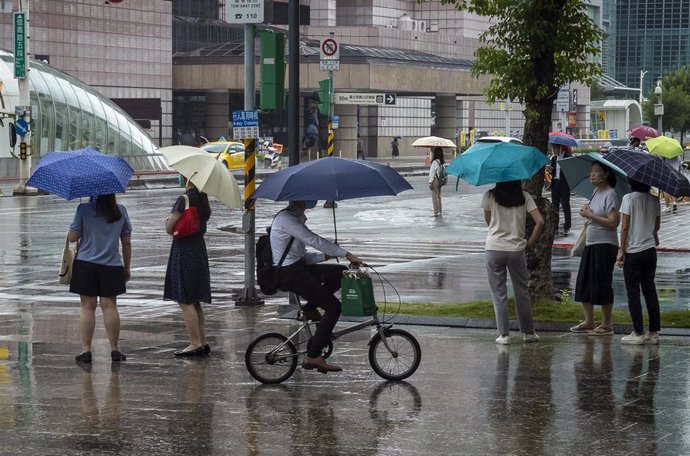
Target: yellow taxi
(231, 153)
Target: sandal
(581, 328)
(601, 331)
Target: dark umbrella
(651, 170)
(332, 179)
(563, 139)
(81, 173)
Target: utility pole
(642, 73)
(23, 110)
(330, 148)
(293, 82)
(507, 116)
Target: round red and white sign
(329, 47)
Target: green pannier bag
(358, 294)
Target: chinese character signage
(20, 33)
(245, 124)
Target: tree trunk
(537, 126)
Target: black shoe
(675, 208)
(84, 357)
(196, 352)
(117, 355)
(207, 349)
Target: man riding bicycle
(301, 274)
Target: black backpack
(442, 175)
(267, 275)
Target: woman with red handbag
(187, 279)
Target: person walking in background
(671, 203)
(187, 278)
(594, 285)
(640, 223)
(560, 190)
(505, 211)
(98, 271)
(395, 151)
(434, 182)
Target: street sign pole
(248, 296)
(330, 148)
(23, 111)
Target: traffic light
(325, 97)
(22, 151)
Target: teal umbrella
(576, 171)
(488, 163)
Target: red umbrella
(563, 139)
(643, 132)
(560, 133)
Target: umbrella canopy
(563, 139)
(433, 141)
(651, 170)
(643, 132)
(664, 147)
(81, 173)
(333, 179)
(488, 163)
(576, 171)
(203, 170)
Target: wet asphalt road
(566, 395)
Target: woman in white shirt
(434, 184)
(505, 211)
(637, 255)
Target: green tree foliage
(676, 99)
(530, 50)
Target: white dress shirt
(290, 222)
(434, 170)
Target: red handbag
(188, 224)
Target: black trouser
(560, 196)
(639, 270)
(316, 283)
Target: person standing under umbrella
(99, 271)
(637, 255)
(300, 274)
(434, 180)
(187, 278)
(594, 285)
(560, 190)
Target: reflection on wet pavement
(568, 394)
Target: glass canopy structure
(70, 115)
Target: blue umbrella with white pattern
(81, 173)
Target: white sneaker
(503, 340)
(668, 209)
(633, 339)
(530, 337)
(652, 340)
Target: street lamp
(642, 73)
(659, 106)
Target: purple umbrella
(651, 170)
(643, 132)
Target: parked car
(231, 153)
(613, 144)
(496, 139)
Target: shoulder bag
(188, 224)
(68, 256)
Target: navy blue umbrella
(81, 173)
(651, 170)
(332, 179)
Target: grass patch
(544, 310)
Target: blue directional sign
(22, 127)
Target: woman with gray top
(505, 211)
(594, 285)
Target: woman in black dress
(187, 279)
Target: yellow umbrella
(664, 146)
(208, 174)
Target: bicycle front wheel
(399, 359)
(271, 358)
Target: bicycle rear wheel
(403, 358)
(271, 358)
